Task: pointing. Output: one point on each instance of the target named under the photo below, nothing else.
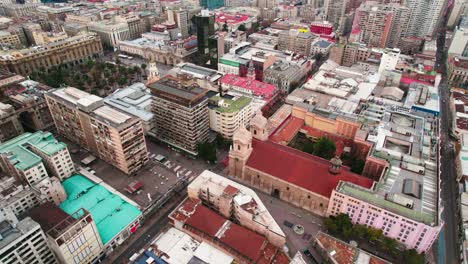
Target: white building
(228, 113)
(425, 17)
(459, 44)
(24, 242)
(110, 32)
(389, 60)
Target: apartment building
(110, 32)
(287, 75)
(71, 51)
(372, 25)
(16, 199)
(134, 24)
(73, 238)
(228, 112)
(24, 242)
(112, 135)
(459, 43)
(296, 41)
(8, 40)
(181, 114)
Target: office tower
(181, 115)
(295, 40)
(112, 135)
(204, 24)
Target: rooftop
(255, 87)
(134, 99)
(343, 253)
(380, 201)
(110, 213)
(226, 105)
(18, 153)
(301, 169)
(178, 247)
(9, 233)
(178, 90)
(230, 236)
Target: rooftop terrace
(230, 105)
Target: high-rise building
(458, 9)
(265, 4)
(211, 4)
(24, 242)
(112, 135)
(63, 230)
(335, 11)
(425, 17)
(204, 24)
(372, 25)
(180, 108)
(227, 113)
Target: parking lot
(157, 178)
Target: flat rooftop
(10, 234)
(110, 213)
(178, 90)
(21, 157)
(135, 100)
(226, 105)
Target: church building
(299, 178)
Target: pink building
(415, 229)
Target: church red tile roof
(299, 168)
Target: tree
(343, 222)
(143, 66)
(358, 166)
(360, 231)
(225, 27)
(412, 257)
(330, 225)
(222, 142)
(308, 147)
(324, 148)
(207, 152)
(374, 234)
(389, 245)
(318, 56)
(242, 28)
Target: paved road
(449, 246)
(154, 224)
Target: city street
(448, 244)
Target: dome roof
(259, 120)
(242, 135)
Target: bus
(122, 56)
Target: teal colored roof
(110, 213)
(22, 157)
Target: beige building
(458, 72)
(9, 40)
(110, 32)
(112, 135)
(69, 51)
(73, 238)
(181, 113)
(228, 114)
(41, 37)
(295, 41)
(232, 199)
(20, 10)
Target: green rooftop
(229, 105)
(378, 200)
(23, 158)
(110, 213)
